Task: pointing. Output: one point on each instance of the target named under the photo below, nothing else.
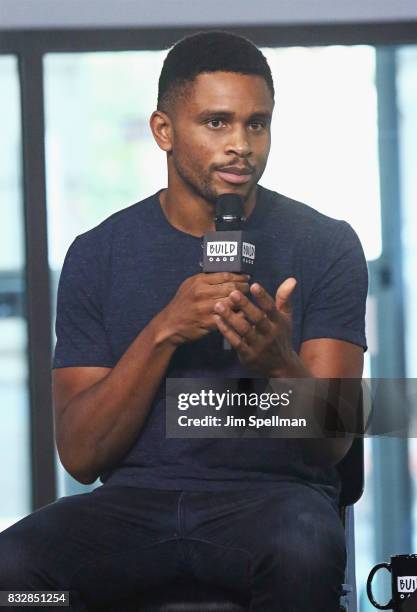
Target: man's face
(224, 122)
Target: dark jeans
(284, 548)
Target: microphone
(229, 212)
(229, 248)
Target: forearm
(104, 420)
(330, 408)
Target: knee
(308, 546)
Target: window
(15, 474)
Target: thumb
(283, 294)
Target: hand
(261, 333)
(190, 314)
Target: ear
(162, 131)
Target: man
(256, 515)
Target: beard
(201, 182)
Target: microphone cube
(228, 251)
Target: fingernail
(219, 307)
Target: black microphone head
(229, 211)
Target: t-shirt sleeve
(337, 303)
(81, 335)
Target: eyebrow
(224, 113)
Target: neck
(191, 213)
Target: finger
(216, 278)
(237, 322)
(225, 289)
(243, 287)
(229, 304)
(255, 315)
(264, 300)
(231, 336)
(283, 294)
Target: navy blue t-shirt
(117, 276)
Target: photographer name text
(232, 421)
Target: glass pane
(14, 431)
(407, 111)
(407, 105)
(325, 143)
(325, 153)
(101, 155)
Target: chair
(351, 471)
(196, 597)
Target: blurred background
(77, 86)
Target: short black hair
(209, 51)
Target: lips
(236, 170)
(235, 174)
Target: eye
(212, 121)
(259, 124)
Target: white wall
(120, 13)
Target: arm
(99, 411)
(326, 358)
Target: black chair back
(351, 472)
(351, 468)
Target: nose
(239, 142)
